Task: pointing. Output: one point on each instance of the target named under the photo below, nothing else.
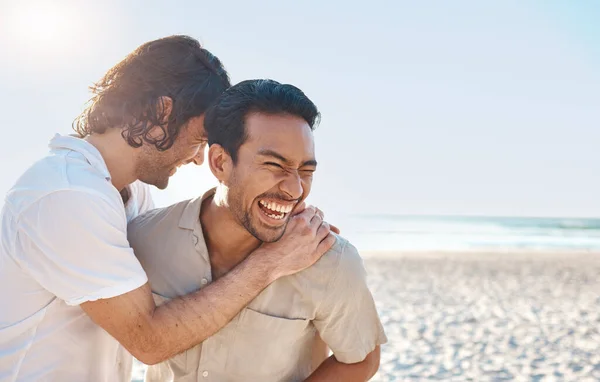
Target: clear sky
(429, 107)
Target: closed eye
(201, 143)
(273, 164)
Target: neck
(118, 156)
(228, 242)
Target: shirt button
(204, 282)
(205, 374)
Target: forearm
(331, 370)
(186, 321)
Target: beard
(160, 182)
(246, 218)
(151, 170)
(261, 232)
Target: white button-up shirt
(64, 242)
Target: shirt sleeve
(74, 243)
(347, 319)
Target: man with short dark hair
(262, 153)
(73, 297)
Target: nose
(292, 185)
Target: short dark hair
(224, 120)
(129, 94)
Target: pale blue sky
(429, 107)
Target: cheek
(253, 183)
(306, 187)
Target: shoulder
(163, 248)
(157, 218)
(58, 177)
(154, 232)
(341, 255)
(341, 260)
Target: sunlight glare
(41, 25)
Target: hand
(307, 237)
(302, 206)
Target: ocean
(453, 233)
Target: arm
(348, 322)
(332, 370)
(154, 334)
(75, 245)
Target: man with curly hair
(75, 303)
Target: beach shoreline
(478, 254)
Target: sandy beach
(486, 316)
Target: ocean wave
(406, 232)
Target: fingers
(317, 219)
(334, 229)
(307, 213)
(319, 213)
(300, 207)
(322, 231)
(325, 244)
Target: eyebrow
(274, 154)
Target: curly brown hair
(130, 95)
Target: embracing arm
(75, 245)
(153, 334)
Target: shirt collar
(83, 147)
(191, 213)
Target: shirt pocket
(266, 347)
(178, 364)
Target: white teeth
(276, 207)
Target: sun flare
(40, 25)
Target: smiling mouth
(275, 210)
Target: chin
(161, 184)
(270, 235)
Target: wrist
(265, 264)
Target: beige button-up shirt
(273, 337)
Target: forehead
(194, 128)
(288, 135)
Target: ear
(220, 163)
(164, 108)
